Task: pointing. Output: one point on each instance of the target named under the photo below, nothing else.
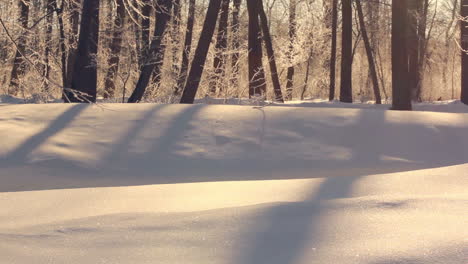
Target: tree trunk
(220, 49)
(145, 29)
(48, 37)
(235, 42)
(199, 59)
(74, 7)
(84, 80)
(333, 50)
(115, 48)
(175, 36)
(414, 14)
(464, 41)
(346, 92)
(292, 37)
(187, 48)
(401, 95)
(270, 53)
(369, 52)
(154, 55)
(19, 67)
(257, 85)
(63, 47)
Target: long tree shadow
(286, 229)
(19, 155)
(168, 157)
(122, 144)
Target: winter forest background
(302, 35)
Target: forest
(277, 50)
(233, 132)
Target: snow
(207, 183)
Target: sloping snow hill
(150, 183)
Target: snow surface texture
(148, 183)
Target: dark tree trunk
(187, 48)
(414, 15)
(235, 42)
(48, 37)
(346, 92)
(175, 36)
(270, 53)
(115, 48)
(369, 52)
(220, 49)
(257, 85)
(333, 50)
(19, 67)
(154, 55)
(292, 37)
(62, 46)
(198, 63)
(464, 41)
(74, 7)
(401, 95)
(84, 80)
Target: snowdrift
(153, 183)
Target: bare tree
(19, 66)
(155, 53)
(270, 53)
(464, 43)
(187, 47)
(401, 97)
(346, 92)
(333, 50)
(235, 42)
(292, 37)
(84, 80)
(199, 59)
(74, 9)
(369, 52)
(48, 37)
(115, 48)
(257, 85)
(220, 48)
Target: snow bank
(154, 183)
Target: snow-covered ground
(152, 183)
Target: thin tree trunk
(369, 52)
(235, 42)
(414, 14)
(333, 50)
(48, 37)
(422, 42)
(115, 48)
(145, 29)
(155, 52)
(220, 49)
(401, 94)
(199, 59)
(270, 53)
(84, 80)
(292, 37)
(464, 41)
(346, 92)
(19, 67)
(306, 80)
(175, 36)
(257, 85)
(187, 48)
(63, 49)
